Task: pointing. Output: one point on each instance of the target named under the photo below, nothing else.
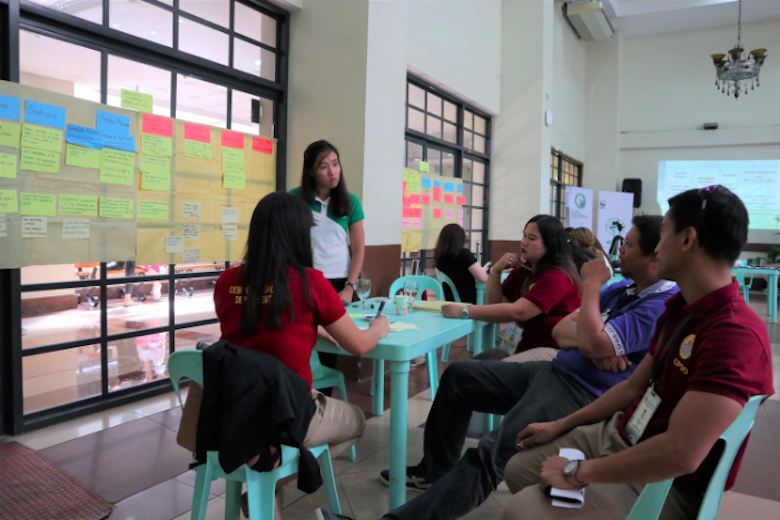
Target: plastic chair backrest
(426, 284)
(505, 275)
(446, 280)
(741, 280)
(317, 369)
(186, 363)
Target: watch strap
(350, 284)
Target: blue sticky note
(426, 183)
(437, 184)
(118, 142)
(44, 115)
(460, 188)
(113, 124)
(83, 136)
(449, 186)
(10, 108)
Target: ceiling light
(735, 68)
(258, 62)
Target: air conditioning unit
(589, 20)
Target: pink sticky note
(461, 201)
(416, 223)
(157, 125)
(436, 194)
(262, 145)
(195, 132)
(417, 212)
(407, 212)
(415, 198)
(406, 223)
(460, 223)
(232, 139)
(436, 212)
(407, 202)
(449, 199)
(426, 200)
(449, 213)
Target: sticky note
(34, 227)
(152, 210)
(416, 223)
(78, 205)
(40, 161)
(449, 186)
(460, 188)
(407, 202)
(174, 245)
(233, 168)
(262, 145)
(449, 214)
(117, 167)
(155, 172)
(41, 138)
(156, 145)
(191, 255)
(83, 136)
(8, 165)
(109, 123)
(426, 200)
(414, 198)
(9, 134)
(190, 209)
(436, 183)
(116, 208)
(8, 202)
(460, 223)
(75, 228)
(197, 150)
(436, 194)
(230, 215)
(44, 115)
(449, 199)
(39, 204)
(461, 200)
(3, 225)
(157, 125)
(426, 182)
(460, 213)
(136, 101)
(232, 139)
(190, 231)
(404, 187)
(10, 108)
(424, 166)
(414, 183)
(407, 212)
(436, 212)
(417, 212)
(229, 232)
(83, 157)
(126, 143)
(198, 133)
(406, 223)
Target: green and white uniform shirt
(329, 236)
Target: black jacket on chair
(252, 401)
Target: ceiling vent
(589, 20)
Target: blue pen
(379, 312)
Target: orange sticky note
(417, 212)
(436, 194)
(461, 201)
(436, 212)
(157, 125)
(449, 199)
(232, 139)
(426, 200)
(415, 198)
(262, 145)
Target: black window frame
(564, 171)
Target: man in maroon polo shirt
(710, 354)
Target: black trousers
(326, 358)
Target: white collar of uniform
(323, 204)
(657, 287)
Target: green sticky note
(78, 205)
(152, 210)
(155, 173)
(8, 201)
(42, 138)
(156, 145)
(38, 204)
(233, 168)
(116, 208)
(117, 167)
(424, 166)
(197, 150)
(9, 134)
(40, 160)
(81, 156)
(8, 165)
(415, 182)
(137, 101)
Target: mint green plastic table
(400, 348)
(772, 276)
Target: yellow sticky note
(116, 167)
(152, 210)
(137, 101)
(414, 184)
(42, 138)
(233, 168)
(155, 172)
(78, 205)
(81, 156)
(197, 150)
(8, 201)
(424, 166)
(156, 145)
(38, 204)
(8, 165)
(40, 160)
(9, 134)
(116, 208)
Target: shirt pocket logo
(686, 347)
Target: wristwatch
(570, 474)
(350, 284)
(464, 314)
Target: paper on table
(355, 315)
(8, 165)
(9, 134)
(400, 326)
(75, 228)
(435, 306)
(82, 157)
(34, 227)
(568, 498)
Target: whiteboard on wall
(615, 211)
(580, 204)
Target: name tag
(644, 412)
(511, 339)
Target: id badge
(511, 339)
(644, 412)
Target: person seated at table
(525, 392)
(458, 263)
(274, 301)
(585, 238)
(579, 255)
(710, 355)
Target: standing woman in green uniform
(337, 213)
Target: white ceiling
(643, 17)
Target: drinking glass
(410, 290)
(363, 290)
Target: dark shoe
(414, 479)
(322, 514)
(244, 502)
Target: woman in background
(458, 263)
(584, 237)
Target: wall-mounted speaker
(634, 186)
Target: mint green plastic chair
(325, 377)
(745, 286)
(651, 501)
(446, 280)
(261, 486)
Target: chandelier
(735, 72)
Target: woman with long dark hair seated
(458, 263)
(542, 289)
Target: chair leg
(470, 343)
(433, 372)
(343, 394)
(379, 387)
(329, 479)
(261, 491)
(497, 420)
(487, 423)
(200, 498)
(445, 352)
(232, 500)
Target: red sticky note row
(436, 194)
(404, 186)
(195, 132)
(157, 125)
(415, 198)
(407, 213)
(449, 199)
(407, 202)
(262, 145)
(436, 212)
(426, 200)
(461, 201)
(232, 139)
(417, 212)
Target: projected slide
(756, 182)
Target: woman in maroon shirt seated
(542, 289)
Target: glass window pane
(204, 42)
(479, 124)
(448, 165)
(416, 120)
(450, 133)
(91, 10)
(434, 104)
(467, 119)
(477, 195)
(479, 143)
(450, 111)
(142, 20)
(201, 102)
(416, 96)
(476, 218)
(466, 218)
(241, 118)
(434, 126)
(476, 243)
(215, 11)
(60, 377)
(146, 307)
(467, 169)
(58, 66)
(434, 161)
(188, 339)
(479, 172)
(254, 24)
(59, 316)
(194, 299)
(468, 139)
(254, 60)
(131, 75)
(414, 153)
(135, 361)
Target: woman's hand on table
(451, 311)
(381, 325)
(346, 295)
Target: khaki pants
(534, 354)
(335, 423)
(602, 501)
